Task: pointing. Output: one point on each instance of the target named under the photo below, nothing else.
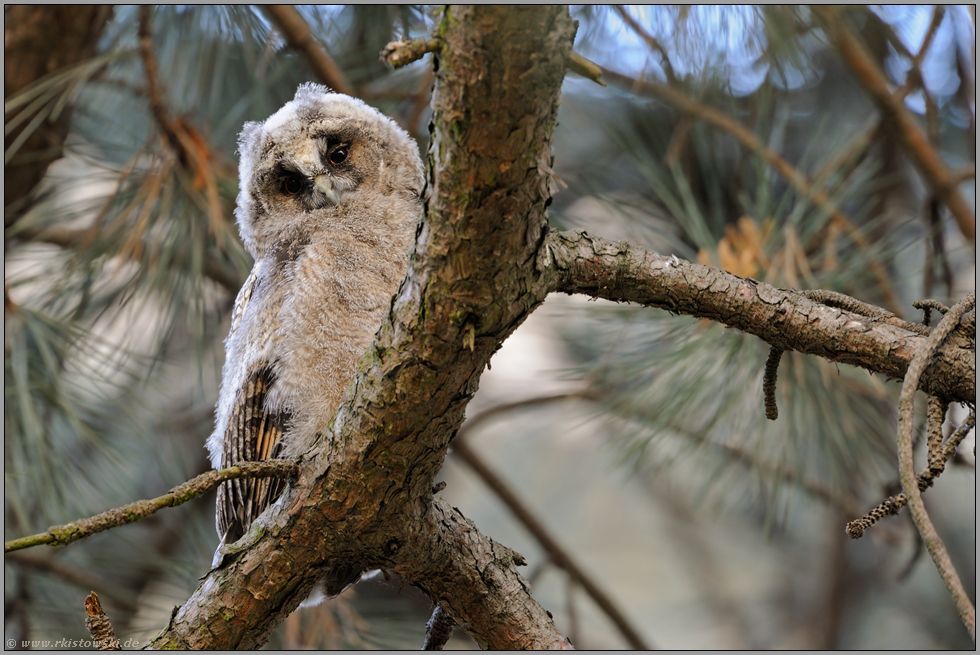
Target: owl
(329, 203)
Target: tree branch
(651, 41)
(80, 578)
(555, 552)
(402, 53)
(37, 44)
(926, 159)
(483, 260)
(299, 37)
(69, 239)
(475, 580)
(364, 495)
(582, 263)
(796, 178)
(906, 467)
(65, 534)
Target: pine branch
(925, 157)
(792, 175)
(80, 578)
(364, 497)
(299, 37)
(556, 553)
(69, 239)
(910, 485)
(483, 261)
(65, 534)
(582, 263)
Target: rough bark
(624, 272)
(483, 261)
(38, 40)
(364, 499)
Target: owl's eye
(338, 156)
(292, 184)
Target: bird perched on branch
(329, 203)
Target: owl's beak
(323, 184)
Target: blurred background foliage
(652, 464)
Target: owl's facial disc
(324, 185)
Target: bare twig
(783, 167)
(555, 552)
(402, 53)
(966, 173)
(79, 578)
(65, 534)
(910, 484)
(98, 624)
(927, 306)
(650, 41)
(475, 421)
(893, 504)
(68, 238)
(186, 141)
(915, 74)
(299, 36)
(916, 144)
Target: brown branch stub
(402, 53)
(298, 35)
(98, 624)
(63, 535)
(925, 157)
(584, 67)
(583, 263)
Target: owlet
(329, 203)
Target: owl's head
(318, 159)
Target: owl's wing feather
(241, 301)
(253, 434)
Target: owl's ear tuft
(245, 136)
(310, 91)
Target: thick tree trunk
(364, 499)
